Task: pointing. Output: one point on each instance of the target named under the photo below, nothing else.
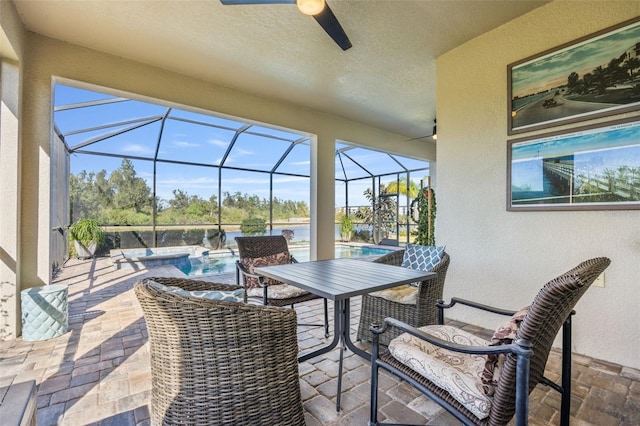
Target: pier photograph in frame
(594, 76)
(589, 168)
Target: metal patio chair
(507, 392)
(422, 312)
(269, 251)
(217, 362)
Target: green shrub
(253, 226)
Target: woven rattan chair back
(252, 247)
(262, 246)
(549, 310)
(423, 312)
(219, 363)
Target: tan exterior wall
(502, 258)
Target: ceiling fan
(319, 9)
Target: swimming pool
(226, 263)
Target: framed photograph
(589, 168)
(594, 76)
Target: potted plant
(346, 228)
(86, 235)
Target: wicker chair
(423, 312)
(251, 248)
(524, 365)
(219, 363)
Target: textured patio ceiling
(386, 80)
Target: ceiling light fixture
(434, 135)
(310, 7)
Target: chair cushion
(459, 374)
(504, 335)
(421, 258)
(404, 294)
(227, 296)
(278, 291)
(255, 262)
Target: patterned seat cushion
(278, 291)
(459, 374)
(404, 294)
(255, 262)
(227, 296)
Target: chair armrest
(441, 305)
(519, 347)
(294, 260)
(241, 270)
(455, 300)
(393, 258)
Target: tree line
(124, 198)
(619, 70)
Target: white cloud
(139, 149)
(218, 142)
(185, 144)
(240, 151)
(286, 179)
(203, 186)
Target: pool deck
(99, 373)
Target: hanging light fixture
(310, 7)
(434, 135)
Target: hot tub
(180, 256)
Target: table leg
(342, 335)
(345, 342)
(337, 335)
(343, 310)
(347, 335)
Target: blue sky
(594, 150)
(552, 70)
(188, 141)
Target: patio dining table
(339, 280)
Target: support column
(9, 194)
(35, 174)
(322, 197)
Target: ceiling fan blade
(325, 18)
(329, 22)
(233, 2)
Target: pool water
(226, 263)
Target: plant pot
(85, 252)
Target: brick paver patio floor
(98, 373)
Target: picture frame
(594, 76)
(594, 167)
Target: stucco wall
(503, 258)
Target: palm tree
(600, 79)
(610, 176)
(631, 64)
(401, 187)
